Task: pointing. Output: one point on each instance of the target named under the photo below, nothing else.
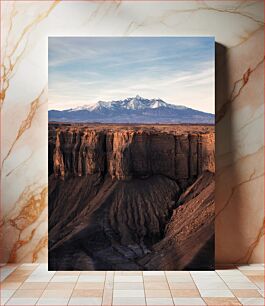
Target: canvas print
(131, 153)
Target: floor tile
(128, 279)
(131, 301)
(64, 279)
(39, 279)
(251, 267)
(203, 274)
(56, 294)
(179, 279)
(188, 301)
(33, 286)
(22, 301)
(256, 278)
(108, 285)
(95, 272)
(251, 301)
(85, 301)
(129, 286)
(28, 293)
(38, 285)
(215, 301)
(87, 293)
(246, 293)
(182, 286)
(177, 273)
(19, 271)
(128, 293)
(156, 285)
(235, 279)
(261, 292)
(16, 278)
(182, 293)
(260, 285)
(90, 278)
(211, 285)
(3, 300)
(159, 301)
(42, 272)
(6, 271)
(232, 272)
(53, 301)
(253, 272)
(60, 286)
(7, 293)
(216, 293)
(89, 286)
(107, 297)
(157, 293)
(9, 285)
(153, 273)
(155, 278)
(128, 273)
(242, 285)
(68, 273)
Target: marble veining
(238, 27)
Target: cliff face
(126, 154)
(189, 235)
(121, 198)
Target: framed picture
(131, 153)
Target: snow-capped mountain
(134, 103)
(132, 110)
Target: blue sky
(84, 70)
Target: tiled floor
(33, 284)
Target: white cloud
(195, 90)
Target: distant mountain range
(132, 110)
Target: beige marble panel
(238, 28)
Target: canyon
(131, 197)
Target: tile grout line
(145, 298)
(232, 289)
(43, 289)
(227, 286)
(112, 291)
(169, 288)
(114, 274)
(37, 265)
(199, 289)
(15, 289)
(73, 288)
(102, 296)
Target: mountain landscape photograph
(131, 153)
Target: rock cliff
(126, 154)
(121, 196)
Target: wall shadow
(224, 146)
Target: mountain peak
(133, 110)
(132, 103)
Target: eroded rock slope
(120, 196)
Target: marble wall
(238, 28)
